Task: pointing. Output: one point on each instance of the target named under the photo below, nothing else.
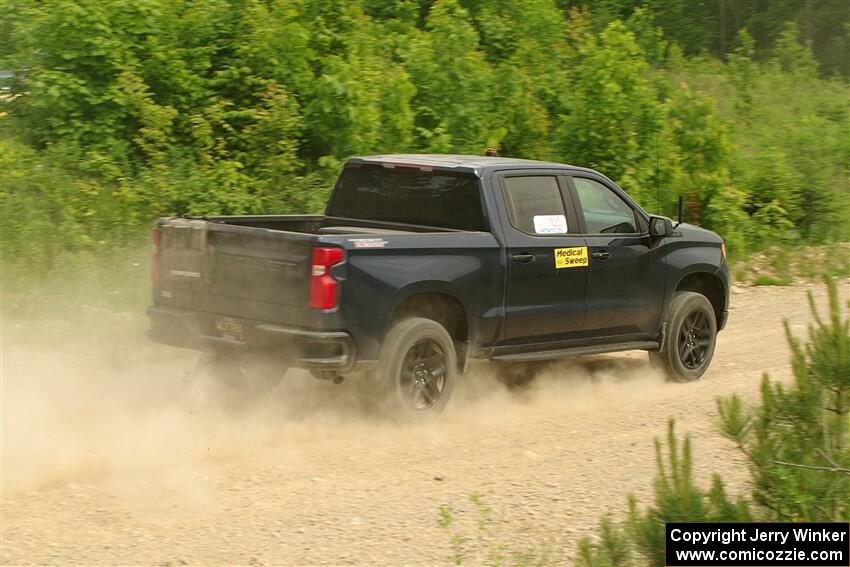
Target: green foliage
(445, 522)
(479, 545)
(612, 115)
(741, 69)
(641, 540)
(51, 205)
(713, 27)
(120, 112)
(704, 151)
(792, 156)
(837, 262)
(453, 80)
(798, 440)
(771, 280)
(614, 548)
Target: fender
(430, 286)
(440, 302)
(686, 256)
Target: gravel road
(110, 457)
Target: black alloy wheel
(694, 339)
(691, 337)
(423, 375)
(417, 367)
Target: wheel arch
(710, 286)
(442, 307)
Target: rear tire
(417, 367)
(690, 339)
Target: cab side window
(604, 211)
(535, 205)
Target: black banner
(758, 544)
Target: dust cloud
(87, 398)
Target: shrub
(797, 443)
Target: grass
(116, 281)
(740, 273)
(770, 280)
(481, 540)
(838, 262)
(781, 260)
(785, 265)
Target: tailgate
(252, 273)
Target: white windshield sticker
(550, 224)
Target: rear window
(409, 195)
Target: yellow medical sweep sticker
(570, 257)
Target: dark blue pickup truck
(423, 262)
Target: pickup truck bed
(251, 275)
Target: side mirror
(659, 227)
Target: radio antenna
(657, 190)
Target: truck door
(546, 258)
(626, 286)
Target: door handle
(525, 258)
(601, 255)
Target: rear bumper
(316, 350)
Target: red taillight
(155, 256)
(323, 287)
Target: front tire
(418, 366)
(690, 339)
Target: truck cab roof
(478, 165)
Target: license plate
(230, 328)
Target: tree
(798, 440)
(641, 539)
(453, 83)
(248, 106)
(611, 113)
(524, 43)
(741, 69)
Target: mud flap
(663, 338)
